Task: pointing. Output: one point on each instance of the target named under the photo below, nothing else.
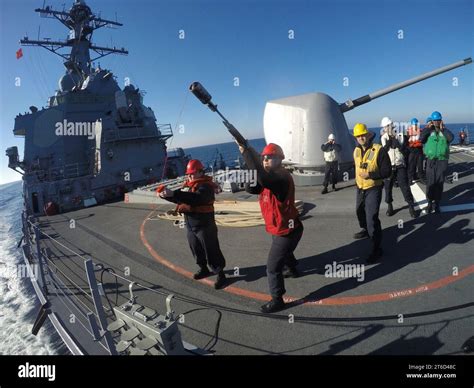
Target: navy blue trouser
(415, 163)
(205, 247)
(330, 173)
(367, 210)
(400, 174)
(281, 255)
(435, 174)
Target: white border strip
(419, 196)
(421, 202)
(455, 208)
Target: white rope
(235, 214)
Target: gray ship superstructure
(94, 141)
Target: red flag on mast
(19, 54)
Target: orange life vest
(414, 138)
(193, 186)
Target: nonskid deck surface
(408, 303)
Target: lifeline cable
(111, 271)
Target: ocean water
(229, 151)
(18, 301)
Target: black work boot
(291, 272)
(325, 190)
(362, 234)
(411, 209)
(429, 209)
(374, 255)
(202, 273)
(437, 209)
(390, 210)
(221, 281)
(276, 304)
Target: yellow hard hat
(360, 129)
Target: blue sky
(249, 39)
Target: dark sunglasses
(269, 157)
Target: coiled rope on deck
(234, 214)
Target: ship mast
(81, 23)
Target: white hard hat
(385, 121)
(331, 137)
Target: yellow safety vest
(368, 163)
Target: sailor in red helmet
(277, 202)
(196, 201)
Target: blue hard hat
(436, 116)
(414, 121)
(428, 119)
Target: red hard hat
(194, 166)
(273, 149)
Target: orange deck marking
(336, 301)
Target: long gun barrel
(351, 104)
(203, 95)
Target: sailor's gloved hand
(166, 193)
(241, 148)
(396, 143)
(392, 142)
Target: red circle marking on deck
(345, 300)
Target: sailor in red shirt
(277, 202)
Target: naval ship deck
(408, 303)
